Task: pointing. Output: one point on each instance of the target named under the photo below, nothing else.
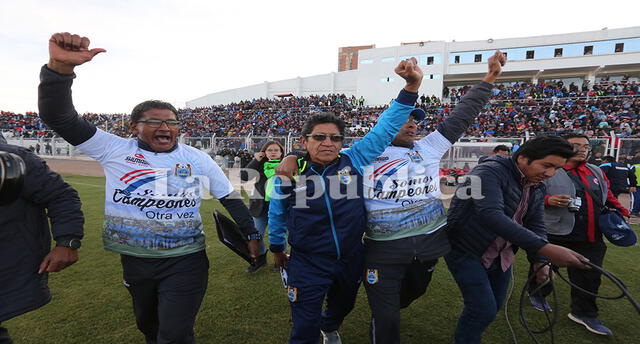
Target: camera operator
(26, 257)
(571, 217)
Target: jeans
(483, 290)
(635, 202)
(261, 225)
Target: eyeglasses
(577, 146)
(157, 123)
(322, 137)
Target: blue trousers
(261, 225)
(483, 291)
(635, 201)
(312, 279)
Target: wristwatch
(73, 244)
(253, 236)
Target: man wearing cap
(404, 236)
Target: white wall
(376, 81)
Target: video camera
(12, 171)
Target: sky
(181, 50)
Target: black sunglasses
(322, 137)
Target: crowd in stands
(514, 108)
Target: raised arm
(470, 105)
(378, 139)
(55, 104)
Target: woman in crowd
(264, 162)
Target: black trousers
(4, 336)
(391, 287)
(582, 304)
(166, 295)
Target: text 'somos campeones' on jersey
(402, 190)
(152, 200)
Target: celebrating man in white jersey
(152, 197)
(404, 236)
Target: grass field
(91, 305)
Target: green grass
(90, 304)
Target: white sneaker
(331, 337)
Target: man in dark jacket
(503, 211)
(621, 177)
(25, 237)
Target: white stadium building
(574, 57)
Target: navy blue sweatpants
(312, 279)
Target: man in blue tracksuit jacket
(620, 175)
(325, 215)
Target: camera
(12, 170)
(574, 204)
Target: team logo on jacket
(292, 293)
(345, 177)
(182, 170)
(372, 276)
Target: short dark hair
(145, 106)
(608, 158)
(574, 135)
(543, 146)
(327, 117)
(500, 148)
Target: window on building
(588, 50)
(429, 60)
(456, 59)
(619, 47)
(505, 55)
(530, 54)
(557, 52)
(477, 58)
(431, 76)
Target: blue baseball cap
(418, 114)
(616, 229)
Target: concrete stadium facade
(583, 55)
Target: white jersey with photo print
(152, 200)
(402, 190)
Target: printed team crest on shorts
(182, 170)
(372, 276)
(345, 177)
(292, 293)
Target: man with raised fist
(152, 197)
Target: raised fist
(496, 62)
(67, 51)
(408, 69)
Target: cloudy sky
(180, 50)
